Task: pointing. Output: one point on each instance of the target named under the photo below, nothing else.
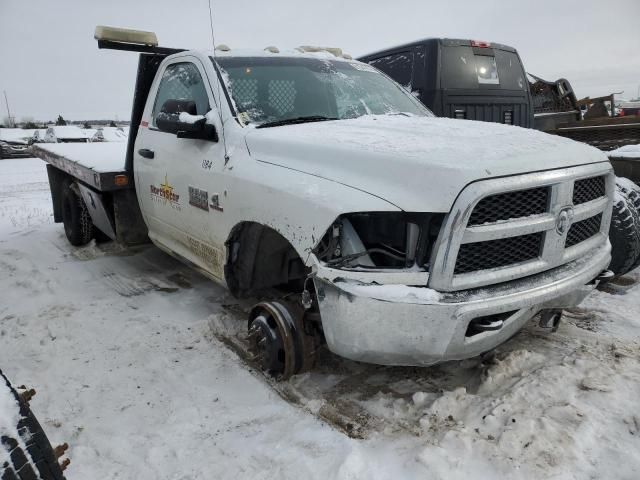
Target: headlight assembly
(374, 240)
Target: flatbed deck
(96, 164)
(603, 133)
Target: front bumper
(417, 326)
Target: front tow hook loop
(605, 275)
(550, 319)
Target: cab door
(174, 175)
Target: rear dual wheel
(78, 226)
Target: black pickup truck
(464, 79)
(475, 80)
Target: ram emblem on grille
(563, 222)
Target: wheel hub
(266, 344)
(277, 339)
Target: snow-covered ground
(118, 345)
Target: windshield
(269, 90)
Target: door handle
(146, 153)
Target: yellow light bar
(125, 35)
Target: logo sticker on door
(215, 202)
(199, 198)
(165, 195)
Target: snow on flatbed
(118, 344)
(101, 157)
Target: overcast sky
(50, 64)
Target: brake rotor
(275, 339)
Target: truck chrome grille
(583, 230)
(498, 253)
(588, 189)
(522, 225)
(505, 206)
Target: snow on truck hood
(415, 163)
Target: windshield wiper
(295, 120)
(404, 114)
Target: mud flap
(99, 213)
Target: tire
(30, 456)
(76, 219)
(624, 233)
(634, 197)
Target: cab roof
(254, 52)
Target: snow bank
(628, 151)
(533, 415)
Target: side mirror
(179, 117)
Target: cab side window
(181, 81)
(398, 66)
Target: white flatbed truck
(317, 185)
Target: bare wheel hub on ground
(278, 340)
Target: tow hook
(550, 319)
(306, 299)
(604, 276)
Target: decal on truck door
(199, 198)
(165, 195)
(215, 202)
(213, 258)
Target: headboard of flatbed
(150, 59)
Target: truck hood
(415, 163)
